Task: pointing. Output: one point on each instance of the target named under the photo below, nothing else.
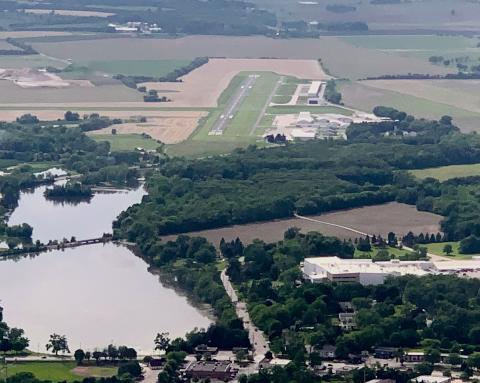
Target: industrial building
(315, 93)
(367, 272)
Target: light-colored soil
(167, 127)
(203, 86)
(378, 219)
(66, 12)
(27, 34)
(32, 78)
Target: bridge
(83, 242)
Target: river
(96, 294)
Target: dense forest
(309, 178)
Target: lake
(96, 294)
(54, 220)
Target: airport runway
(233, 105)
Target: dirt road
(433, 257)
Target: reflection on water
(54, 220)
(95, 295)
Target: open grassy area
(444, 173)
(252, 106)
(60, 371)
(370, 254)
(291, 109)
(360, 96)
(437, 248)
(154, 68)
(127, 142)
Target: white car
(230, 117)
(222, 116)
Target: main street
(257, 338)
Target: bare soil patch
(378, 219)
(28, 34)
(167, 127)
(203, 86)
(32, 78)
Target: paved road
(149, 375)
(257, 338)
(432, 257)
(267, 104)
(233, 106)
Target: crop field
(30, 61)
(417, 45)
(409, 15)
(360, 96)
(155, 68)
(461, 94)
(167, 127)
(203, 86)
(126, 142)
(13, 94)
(444, 173)
(336, 54)
(377, 219)
(67, 12)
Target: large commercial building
(367, 272)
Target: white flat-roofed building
(314, 89)
(303, 134)
(364, 271)
(314, 93)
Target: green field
(252, 106)
(437, 248)
(313, 109)
(444, 173)
(58, 371)
(154, 68)
(391, 250)
(360, 96)
(126, 142)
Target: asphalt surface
(257, 338)
(233, 105)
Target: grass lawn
(154, 68)
(281, 99)
(60, 371)
(54, 371)
(7, 163)
(391, 250)
(126, 142)
(252, 105)
(444, 173)
(312, 109)
(437, 248)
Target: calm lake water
(54, 220)
(95, 295)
